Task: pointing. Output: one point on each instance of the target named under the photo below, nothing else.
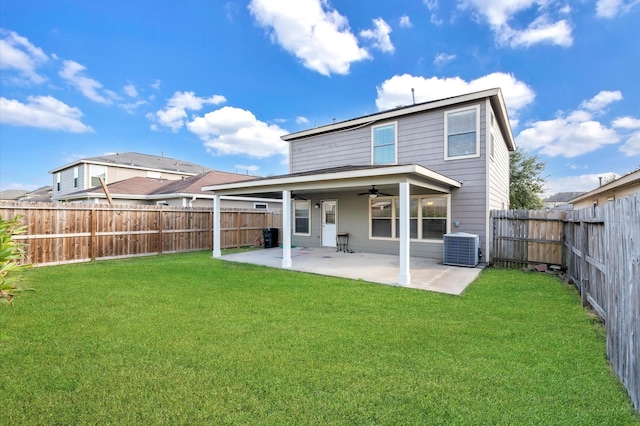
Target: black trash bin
(270, 237)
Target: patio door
(329, 223)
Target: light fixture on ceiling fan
(373, 192)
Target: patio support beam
(405, 234)
(217, 252)
(286, 229)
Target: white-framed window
(58, 181)
(154, 175)
(462, 133)
(97, 172)
(384, 146)
(75, 177)
(302, 217)
(261, 206)
(428, 221)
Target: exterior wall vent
(461, 249)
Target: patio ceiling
(352, 179)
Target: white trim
(394, 206)
(446, 132)
(331, 180)
(386, 115)
(395, 142)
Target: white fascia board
(386, 115)
(119, 165)
(333, 180)
(631, 178)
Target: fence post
(584, 275)
(160, 225)
(93, 243)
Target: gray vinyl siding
(421, 140)
(353, 217)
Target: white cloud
(132, 106)
(542, 31)
(432, 5)
(405, 22)
(20, 54)
(632, 146)
(397, 90)
(613, 8)
(229, 131)
(156, 84)
(602, 100)
(174, 113)
(43, 112)
(442, 58)
(249, 169)
(73, 72)
(309, 29)
(379, 35)
(585, 182)
(130, 90)
(501, 13)
(302, 120)
(573, 134)
(627, 123)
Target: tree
(526, 182)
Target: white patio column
(216, 226)
(405, 234)
(286, 229)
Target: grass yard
(187, 339)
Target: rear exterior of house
(466, 141)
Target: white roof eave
(334, 180)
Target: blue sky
(217, 83)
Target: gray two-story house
(395, 181)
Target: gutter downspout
(192, 200)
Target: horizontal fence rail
(599, 248)
(70, 233)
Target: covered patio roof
(348, 177)
(395, 179)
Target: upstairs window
(462, 133)
(97, 172)
(383, 144)
(58, 181)
(75, 177)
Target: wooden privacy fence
(600, 250)
(69, 233)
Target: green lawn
(186, 339)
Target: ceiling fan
(373, 192)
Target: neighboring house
(86, 173)
(623, 186)
(12, 194)
(396, 181)
(42, 194)
(185, 192)
(560, 200)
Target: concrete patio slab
(426, 274)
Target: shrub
(11, 253)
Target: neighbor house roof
(151, 188)
(562, 197)
(12, 194)
(135, 160)
(632, 178)
(495, 96)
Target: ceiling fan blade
(386, 195)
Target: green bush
(11, 253)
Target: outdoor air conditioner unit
(461, 249)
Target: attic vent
(461, 249)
